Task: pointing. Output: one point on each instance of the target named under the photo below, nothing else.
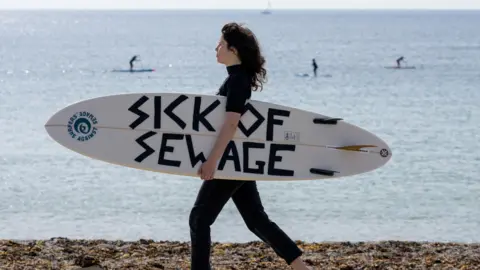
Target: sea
(430, 116)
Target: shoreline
(65, 253)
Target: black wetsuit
(315, 67)
(215, 193)
(131, 62)
(399, 60)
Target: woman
(239, 51)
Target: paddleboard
(174, 133)
(405, 67)
(304, 75)
(134, 70)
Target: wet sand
(62, 253)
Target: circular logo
(384, 152)
(81, 126)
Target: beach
(64, 253)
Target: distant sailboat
(268, 9)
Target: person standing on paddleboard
(239, 51)
(399, 60)
(134, 58)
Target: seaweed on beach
(63, 253)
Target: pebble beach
(64, 253)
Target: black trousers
(213, 195)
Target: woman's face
(224, 55)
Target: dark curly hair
(245, 42)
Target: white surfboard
(174, 133)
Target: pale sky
(239, 4)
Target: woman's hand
(207, 170)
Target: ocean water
(429, 191)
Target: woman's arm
(226, 133)
(208, 168)
(235, 104)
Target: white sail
(268, 10)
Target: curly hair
(245, 42)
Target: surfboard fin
(322, 172)
(326, 121)
(357, 148)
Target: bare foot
(299, 264)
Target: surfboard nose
(58, 118)
(52, 124)
(63, 118)
(69, 113)
(51, 120)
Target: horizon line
(234, 9)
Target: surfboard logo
(384, 153)
(81, 126)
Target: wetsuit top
(236, 88)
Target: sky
(239, 4)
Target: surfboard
(174, 133)
(134, 70)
